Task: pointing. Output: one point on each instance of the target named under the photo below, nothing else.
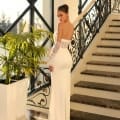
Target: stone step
(106, 54)
(99, 79)
(98, 57)
(110, 43)
(97, 93)
(115, 29)
(101, 73)
(89, 112)
(114, 36)
(110, 39)
(115, 20)
(109, 46)
(114, 25)
(105, 63)
(112, 32)
(98, 86)
(95, 101)
(81, 115)
(114, 16)
(103, 68)
(106, 68)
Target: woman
(60, 64)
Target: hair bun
(63, 8)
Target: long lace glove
(53, 52)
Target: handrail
(83, 12)
(83, 4)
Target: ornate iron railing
(39, 96)
(88, 27)
(81, 5)
(84, 2)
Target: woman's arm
(56, 47)
(60, 31)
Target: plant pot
(13, 98)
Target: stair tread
(108, 46)
(115, 39)
(101, 73)
(114, 25)
(80, 115)
(99, 86)
(106, 54)
(105, 63)
(96, 101)
(116, 20)
(113, 32)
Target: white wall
(87, 4)
(47, 10)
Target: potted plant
(20, 58)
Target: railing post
(32, 15)
(80, 7)
(32, 2)
(80, 32)
(52, 16)
(110, 6)
(99, 12)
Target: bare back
(65, 31)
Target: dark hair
(64, 8)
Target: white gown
(59, 108)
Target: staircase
(97, 92)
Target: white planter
(13, 98)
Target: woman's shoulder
(71, 24)
(60, 26)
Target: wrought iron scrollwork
(87, 28)
(75, 47)
(39, 97)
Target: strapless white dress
(59, 108)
